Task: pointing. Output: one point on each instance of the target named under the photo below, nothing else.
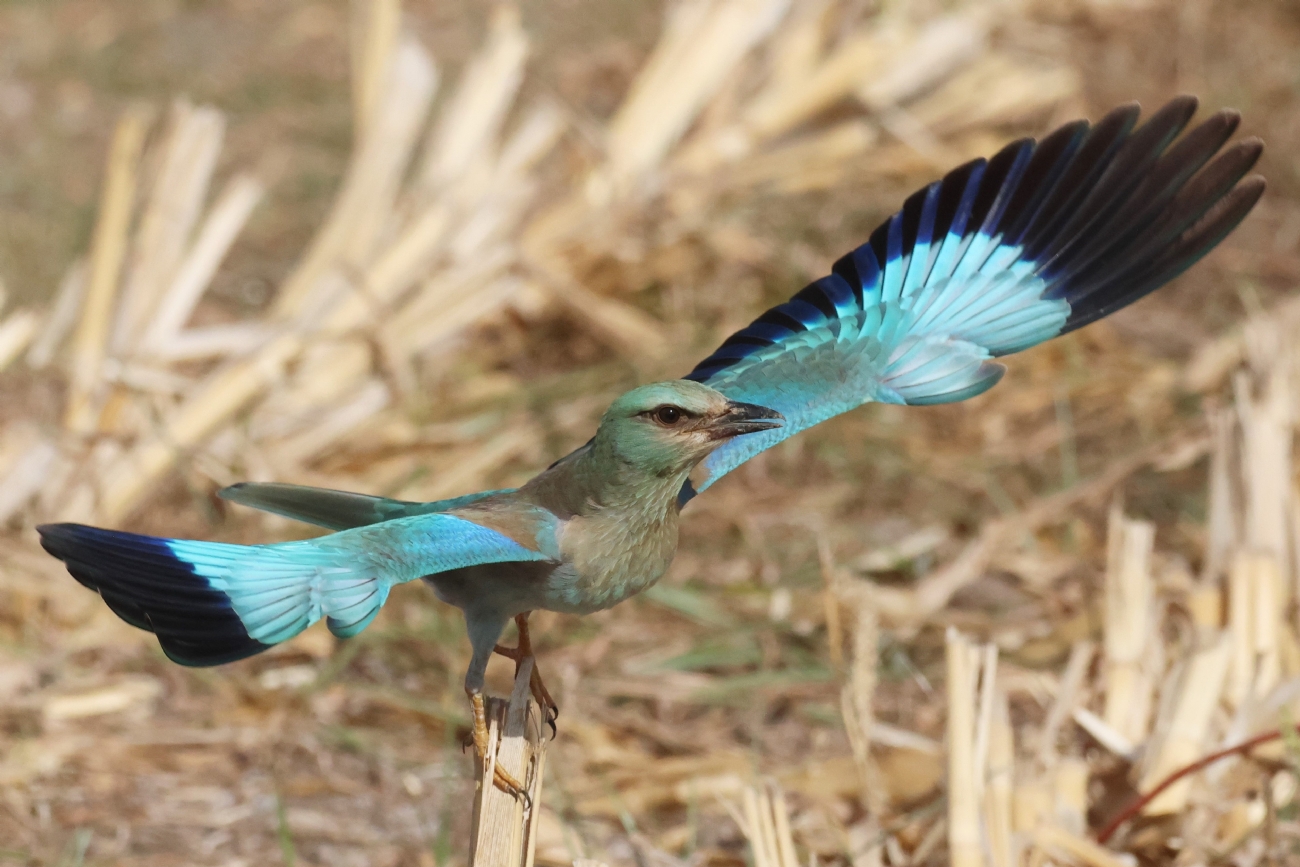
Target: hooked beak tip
(744, 418)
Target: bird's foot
(501, 778)
(550, 710)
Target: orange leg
(500, 777)
(535, 684)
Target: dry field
(414, 250)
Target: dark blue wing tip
(146, 585)
(74, 543)
(55, 537)
(1104, 213)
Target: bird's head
(666, 428)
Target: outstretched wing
(337, 510)
(999, 256)
(211, 602)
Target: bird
(998, 256)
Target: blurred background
(414, 249)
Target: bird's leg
(535, 684)
(501, 778)
(483, 636)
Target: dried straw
(504, 832)
(764, 819)
(189, 153)
(108, 251)
(965, 839)
(1129, 617)
(220, 229)
(17, 330)
(702, 43)
(1185, 735)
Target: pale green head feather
(666, 428)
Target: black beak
(744, 418)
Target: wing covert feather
(336, 510)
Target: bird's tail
(210, 602)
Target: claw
(541, 695)
(550, 709)
(510, 786)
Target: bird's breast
(606, 558)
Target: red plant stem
(1138, 803)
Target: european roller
(998, 256)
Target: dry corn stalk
(1073, 848)
(1000, 786)
(764, 819)
(1266, 466)
(1222, 531)
(171, 211)
(1070, 791)
(485, 93)
(376, 27)
(1031, 805)
(1256, 622)
(107, 254)
(1184, 737)
(1067, 697)
(195, 271)
(965, 838)
(504, 832)
(1130, 614)
(17, 330)
(703, 41)
(857, 695)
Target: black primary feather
(1103, 213)
(147, 586)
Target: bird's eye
(668, 415)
